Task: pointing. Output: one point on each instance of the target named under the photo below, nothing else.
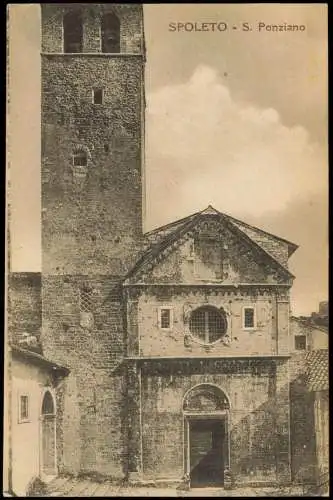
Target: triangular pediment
(207, 248)
(210, 211)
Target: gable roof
(308, 322)
(317, 371)
(163, 237)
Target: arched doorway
(48, 436)
(206, 424)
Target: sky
(234, 119)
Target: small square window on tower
(98, 96)
(248, 318)
(80, 159)
(165, 318)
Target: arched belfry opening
(73, 31)
(206, 411)
(110, 31)
(48, 461)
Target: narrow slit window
(86, 305)
(86, 300)
(248, 320)
(98, 96)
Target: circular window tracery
(208, 324)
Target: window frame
(23, 420)
(94, 90)
(207, 309)
(306, 343)
(170, 309)
(249, 328)
(77, 154)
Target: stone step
(58, 485)
(90, 489)
(78, 487)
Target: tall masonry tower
(93, 108)
(92, 137)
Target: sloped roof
(164, 236)
(37, 359)
(252, 231)
(308, 322)
(317, 370)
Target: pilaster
(282, 320)
(134, 437)
(282, 423)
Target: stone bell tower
(93, 108)
(92, 137)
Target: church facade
(177, 340)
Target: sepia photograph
(166, 267)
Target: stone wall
(24, 305)
(91, 225)
(302, 423)
(91, 221)
(259, 416)
(91, 344)
(270, 336)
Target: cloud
(203, 146)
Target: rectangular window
(248, 318)
(98, 96)
(80, 159)
(300, 342)
(23, 408)
(165, 318)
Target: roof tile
(317, 370)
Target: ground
(70, 487)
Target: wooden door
(206, 452)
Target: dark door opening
(207, 439)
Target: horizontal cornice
(92, 54)
(210, 285)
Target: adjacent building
(32, 441)
(309, 397)
(305, 335)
